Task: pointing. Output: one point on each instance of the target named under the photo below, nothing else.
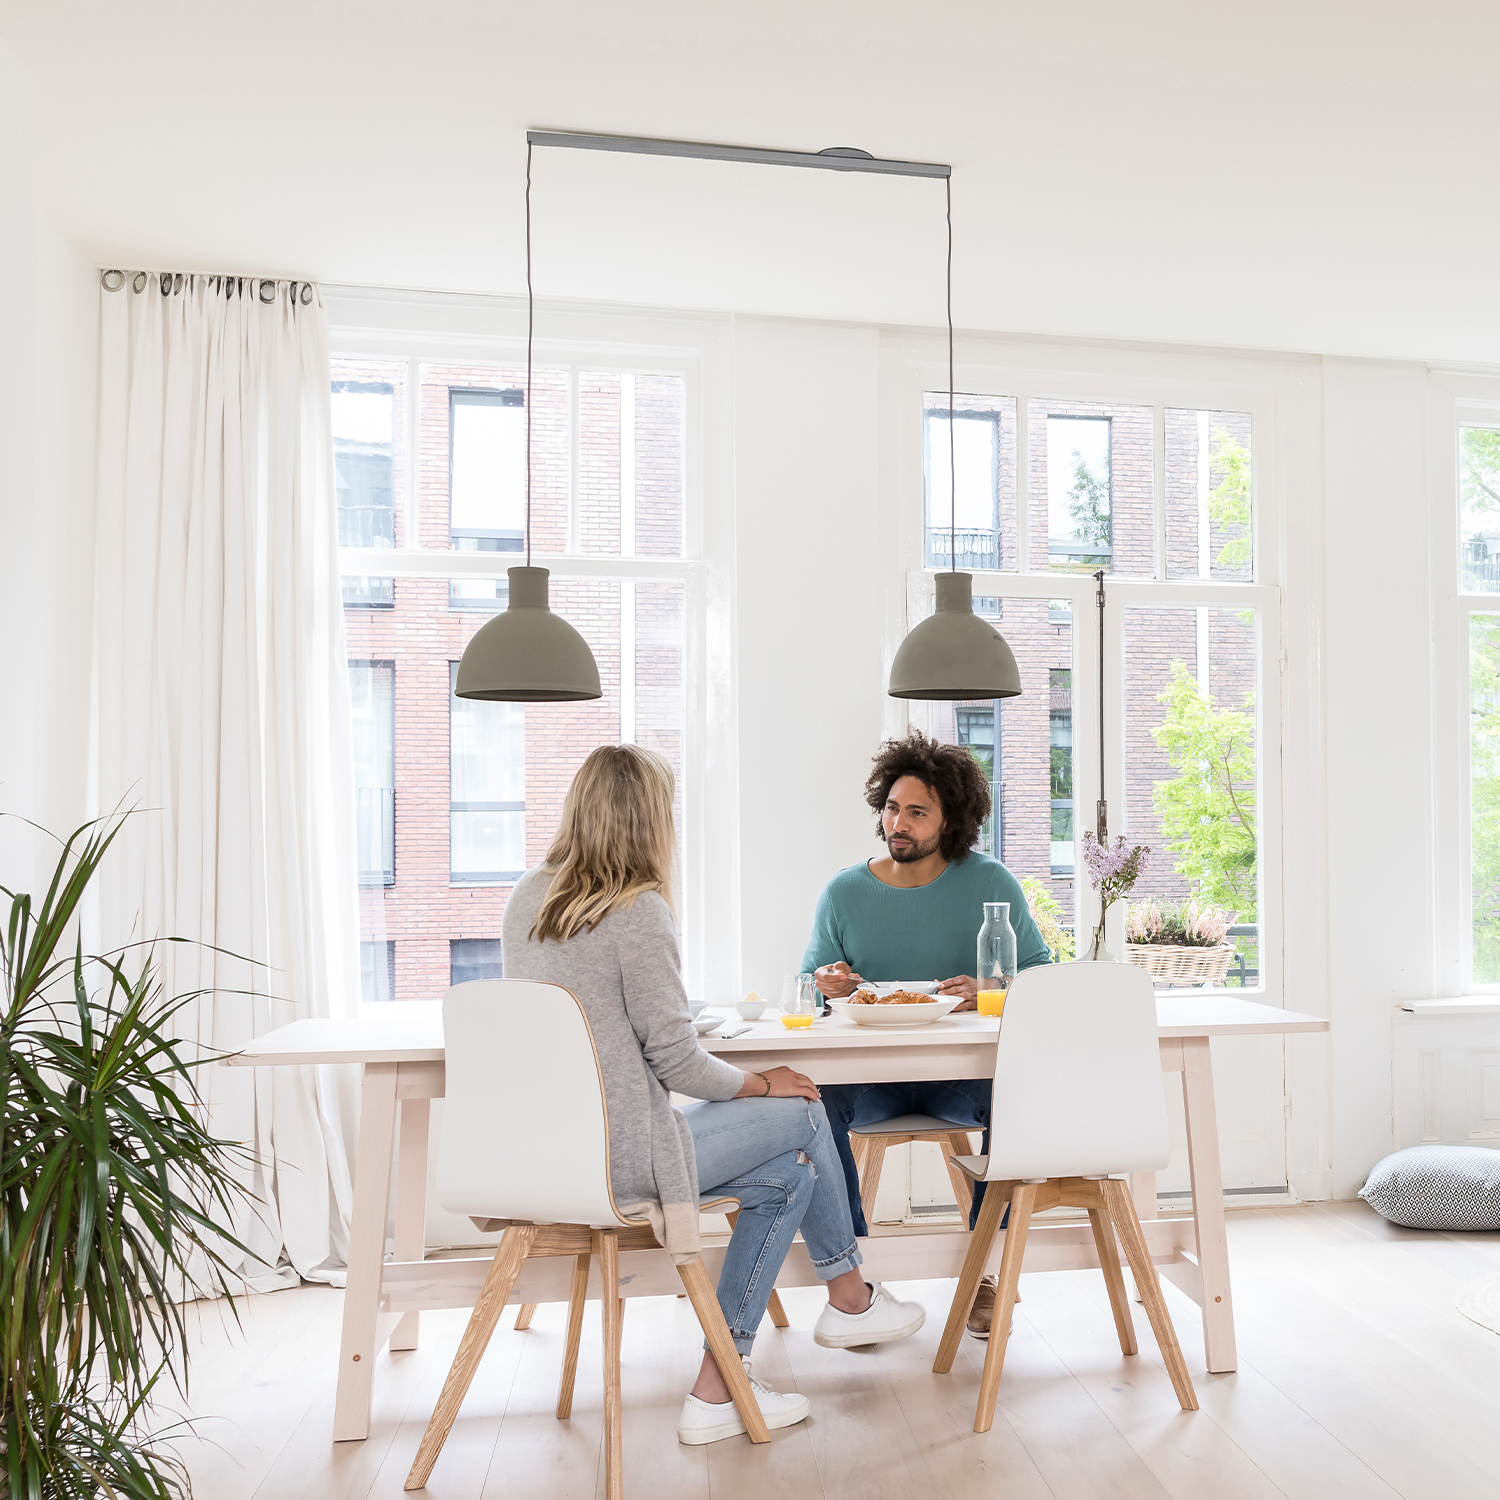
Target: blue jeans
(964, 1102)
(778, 1158)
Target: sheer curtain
(222, 713)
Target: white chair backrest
(524, 1126)
(1078, 1083)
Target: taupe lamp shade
(953, 655)
(528, 654)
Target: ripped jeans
(778, 1158)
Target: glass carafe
(996, 964)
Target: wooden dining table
(401, 1053)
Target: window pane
(982, 450)
(1209, 495)
(474, 958)
(1191, 773)
(368, 593)
(488, 594)
(1479, 494)
(377, 971)
(630, 464)
(1091, 484)
(487, 470)
(1030, 738)
(368, 401)
(450, 833)
(372, 701)
(473, 479)
(1484, 793)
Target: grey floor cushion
(1437, 1187)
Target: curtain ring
(139, 284)
(306, 293)
(265, 287)
(165, 280)
(112, 281)
(177, 282)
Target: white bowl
(711, 1020)
(751, 1010)
(696, 1008)
(890, 986)
(897, 1015)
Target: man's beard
(906, 854)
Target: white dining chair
(522, 1069)
(1077, 1104)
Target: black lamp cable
(530, 310)
(952, 466)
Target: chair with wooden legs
(1077, 1103)
(552, 1202)
(870, 1143)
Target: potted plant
(111, 1184)
(1180, 943)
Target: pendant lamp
(528, 654)
(953, 655)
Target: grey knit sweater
(627, 974)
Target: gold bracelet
(767, 1083)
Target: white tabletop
(412, 1031)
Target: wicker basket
(1171, 964)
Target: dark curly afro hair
(950, 772)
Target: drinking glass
(798, 1007)
(996, 965)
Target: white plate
(711, 1020)
(896, 1015)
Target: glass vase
(1097, 952)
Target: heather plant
(1188, 924)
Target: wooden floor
(1357, 1378)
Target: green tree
(1479, 482)
(1088, 503)
(1048, 916)
(1207, 810)
(1229, 499)
(1484, 792)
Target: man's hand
(786, 1083)
(837, 980)
(962, 984)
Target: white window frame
(1456, 399)
(989, 368)
(422, 328)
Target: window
(377, 971)
(486, 788)
(481, 785)
(366, 429)
(487, 470)
(372, 701)
(474, 958)
(1162, 500)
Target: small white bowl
(751, 1010)
(710, 1020)
(696, 1008)
(896, 1015)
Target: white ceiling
(1317, 175)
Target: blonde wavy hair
(616, 841)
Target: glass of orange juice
(991, 1000)
(799, 1004)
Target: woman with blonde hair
(597, 916)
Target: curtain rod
(834, 159)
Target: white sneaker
(883, 1320)
(709, 1421)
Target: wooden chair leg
(773, 1306)
(1148, 1284)
(963, 1188)
(1114, 1280)
(524, 1315)
(607, 1248)
(577, 1293)
(981, 1242)
(869, 1177)
(510, 1254)
(1005, 1296)
(721, 1346)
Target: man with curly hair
(914, 912)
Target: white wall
(48, 379)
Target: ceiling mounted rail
(834, 159)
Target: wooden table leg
(411, 1203)
(372, 1178)
(1208, 1204)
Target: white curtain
(222, 713)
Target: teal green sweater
(931, 932)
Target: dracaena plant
(113, 1194)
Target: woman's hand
(785, 1083)
(837, 980)
(962, 984)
